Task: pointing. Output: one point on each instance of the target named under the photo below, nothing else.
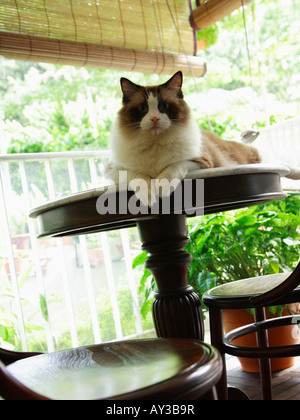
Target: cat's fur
(155, 137)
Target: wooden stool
(257, 293)
(157, 369)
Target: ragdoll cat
(156, 138)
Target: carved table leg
(176, 309)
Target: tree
(273, 35)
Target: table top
(222, 189)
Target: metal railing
(62, 292)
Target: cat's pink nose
(154, 119)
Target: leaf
(34, 327)
(144, 279)
(276, 310)
(206, 281)
(26, 273)
(149, 296)
(3, 332)
(146, 307)
(247, 220)
(274, 264)
(44, 308)
(140, 259)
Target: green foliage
(52, 108)
(48, 108)
(147, 284)
(35, 331)
(34, 324)
(239, 244)
(272, 93)
(273, 32)
(221, 126)
(245, 243)
(210, 35)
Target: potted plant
(248, 243)
(240, 244)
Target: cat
(155, 137)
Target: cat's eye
(163, 106)
(143, 108)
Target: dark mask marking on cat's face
(163, 103)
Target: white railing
(62, 292)
(280, 143)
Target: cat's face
(152, 109)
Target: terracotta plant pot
(281, 336)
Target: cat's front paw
(144, 190)
(165, 187)
(169, 179)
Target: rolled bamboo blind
(151, 36)
(211, 11)
(45, 50)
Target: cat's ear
(128, 88)
(175, 84)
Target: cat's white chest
(150, 154)
(150, 161)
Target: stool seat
(239, 292)
(251, 286)
(133, 369)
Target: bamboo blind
(211, 11)
(151, 36)
(31, 48)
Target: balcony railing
(280, 143)
(62, 292)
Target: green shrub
(237, 244)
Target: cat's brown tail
(254, 156)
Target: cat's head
(153, 109)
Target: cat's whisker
(134, 135)
(132, 125)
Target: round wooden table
(163, 232)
